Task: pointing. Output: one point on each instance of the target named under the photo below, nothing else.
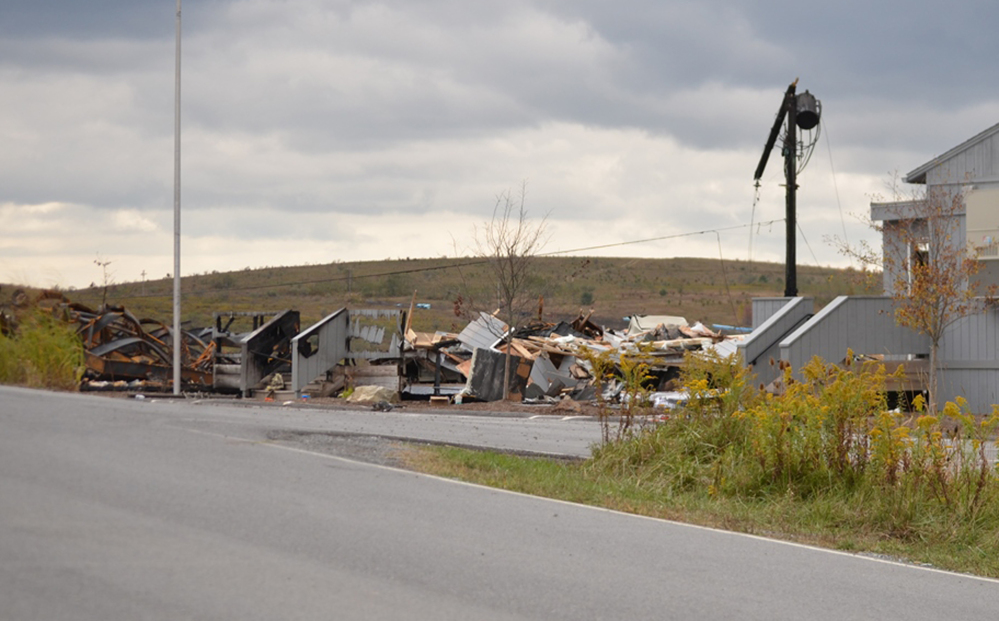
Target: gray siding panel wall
(969, 361)
(864, 324)
(319, 348)
(978, 161)
(762, 344)
(972, 338)
(969, 349)
(765, 308)
(979, 386)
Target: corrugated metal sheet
(969, 349)
(483, 333)
(368, 325)
(979, 386)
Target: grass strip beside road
(833, 521)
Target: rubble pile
(549, 361)
(121, 351)
(120, 347)
(539, 362)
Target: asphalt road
(119, 509)
(542, 434)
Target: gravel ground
(499, 408)
(370, 449)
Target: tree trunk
(506, 367)
(508, 338)
(932, 388)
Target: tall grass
(830, 443)
(44, 352)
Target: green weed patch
(44, 352)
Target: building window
(919, 259)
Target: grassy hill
(704, 290)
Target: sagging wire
(807, 150)
(752, 216)
(721, 260)
(805, 239)
(652, 239)
(839, 205)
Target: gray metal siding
(978, 161)
(979, 386)
(765, 308)
(863, 324)
(360, 328)
(333, 331)
(969, 361)
(762, 344)
(482, 333)
(776, 326)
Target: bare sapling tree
(928, 268)
(107, 279)
(511, 242)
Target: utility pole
(800, 111)
(177, 344)
(790, 215)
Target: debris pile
(123, 348)
(549, 361)
(538, 362)
(120, 349)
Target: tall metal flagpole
(176, 218)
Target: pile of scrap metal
(121, 351)
(125, 351)
(549, 361)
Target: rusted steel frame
(121, 344)
(205, 359)
(121, 370)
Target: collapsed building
(242, 352)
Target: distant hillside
(704, 290)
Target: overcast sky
(321, 130)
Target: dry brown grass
(612, 287)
